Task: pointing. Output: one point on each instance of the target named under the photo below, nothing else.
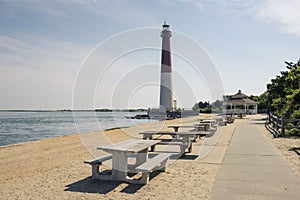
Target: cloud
(122, 11)
(31, 49)
(36, 61)
(204, 4)
(13, 44)
(37, 73)
(284, 13)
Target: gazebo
(239, 104)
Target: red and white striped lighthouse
(166, 96)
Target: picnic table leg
(187, 143)
(190, 148)
(182, 150)
(176, 130)
(119, 166)
(145, 137)
(195, 138)
(95, 171)
(142, 157)
(183, 146)
(152, 148)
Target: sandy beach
(54, 169)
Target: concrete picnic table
(185, 142)
(120, 153)
(206, 124)
(196, 126)
(211, 121)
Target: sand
(53, 168)
(290, 149)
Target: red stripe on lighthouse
(166, 62)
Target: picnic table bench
(220, 120)
(120, 166)
(158, 163)
(229, 119)
(96, 163)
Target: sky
(85, 54)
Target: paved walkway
(253, 168)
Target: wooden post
(276, 122)
(282, 125)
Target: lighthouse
(166, 96)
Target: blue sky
(44, 45)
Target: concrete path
(254, 169)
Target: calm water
(16, 127)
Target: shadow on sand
(272, 130)
(296, 150)
(258, 121)
(189, 157)
(89, 185)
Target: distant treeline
(121, 110)
(69, 110)
(207, 107)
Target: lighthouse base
(158, 114)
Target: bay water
(20, 126)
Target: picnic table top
(205, 122)
(129, 146)
(181, 126)
(168, 133)
(187, 126)
(207, 119)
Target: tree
(217, 106)
(206, 107)
(283, 93)
(201, 106)
(262, 102)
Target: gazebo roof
(239, 95)
(240, 99)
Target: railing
(282, 124)
(237, 111)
